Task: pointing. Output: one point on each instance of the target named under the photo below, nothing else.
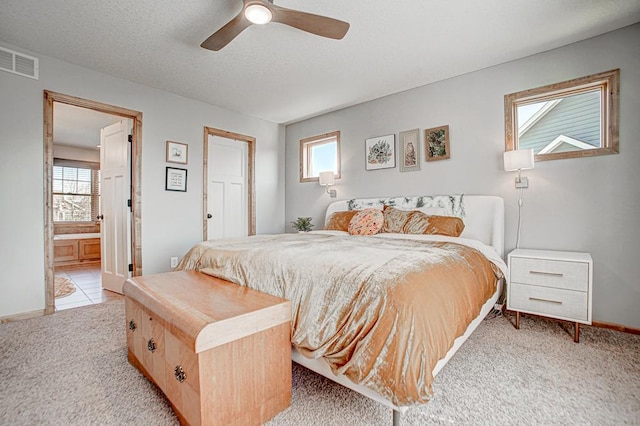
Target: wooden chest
(220, 352)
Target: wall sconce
(328, 179)
(519, 159)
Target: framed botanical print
(380, 152)
(436, 143)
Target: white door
(114, 211)
(227, 186)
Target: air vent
(18, 63)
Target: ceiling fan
(262, 12)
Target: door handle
(209, 216)
(100, 217)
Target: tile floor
(88, 286)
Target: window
(575, 118)
(318, 154)
(76, 193)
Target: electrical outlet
(174, 262)
(499, 307)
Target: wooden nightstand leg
(576, 334)
(518, 320)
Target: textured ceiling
(283, 75)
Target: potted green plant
(302, 224)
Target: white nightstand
(554, 284)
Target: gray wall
(587, 204)
(171, 221)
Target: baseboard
(22, 316)
(616, 327)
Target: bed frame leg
(396, 417)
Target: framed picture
(380, 152)
(177, 152)
(176, 180)
(409, 146)
(436, 143)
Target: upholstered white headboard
(483, 218)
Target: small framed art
(177, 152)
(176, 180)
(436, 143)
(409, 146)
(380, 152)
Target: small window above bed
(318, 154)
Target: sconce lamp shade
(327, 178)
(518, 159)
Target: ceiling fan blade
(228, 32)
(314, 24)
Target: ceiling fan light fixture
(258, 14)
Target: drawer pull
(181, 376)
(552, 274)
(151, 345)
(545, 300)
(132, 325)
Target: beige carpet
(63, 286)
(71, 368)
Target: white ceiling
(283, 75)
(79, 127)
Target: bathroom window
(76, 194)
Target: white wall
(171, 221)
(587, 204)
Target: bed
(380, 314)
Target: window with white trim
(319, 154)
(76, 192)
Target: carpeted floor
(71, 368)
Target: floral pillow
(366, 222)
(339, 221)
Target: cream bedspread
(382, 311)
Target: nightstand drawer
(550, 273)
(566, 304)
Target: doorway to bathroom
(92, 214)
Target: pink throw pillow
(366, 222)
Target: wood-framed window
(76, 191)
(318, 154)
(570, 119)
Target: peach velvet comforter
(382, 311)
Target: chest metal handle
(181, 376)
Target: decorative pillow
(445, 225)
(366, 222)
(404, 222)
(339, 221)
(417, 223)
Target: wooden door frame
(136, 183)
(251, 194)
